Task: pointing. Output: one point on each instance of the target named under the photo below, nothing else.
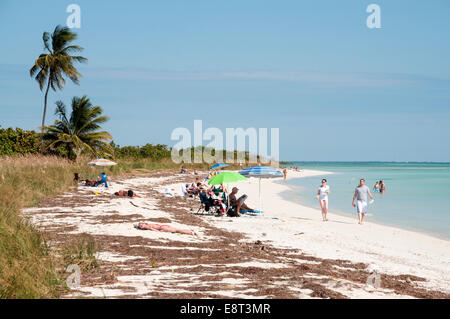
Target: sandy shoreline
(351, 213)
(389, 249)
(286, 253)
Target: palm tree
(49, 69)
(79, 133)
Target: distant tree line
(156, 152)
(21, 142)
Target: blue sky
(336, 89)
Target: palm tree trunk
(45, 106)
(43, 117)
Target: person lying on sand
(124, 193)
(238, 203)
(165, 228)
(90, 183)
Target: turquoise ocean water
(417, 197)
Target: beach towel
(183, 190)
(251, 212)
(168, 192)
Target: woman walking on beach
(322, 196)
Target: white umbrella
(102, 162)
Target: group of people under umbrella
(216, 196)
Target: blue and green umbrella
(261, 172)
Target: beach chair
(207, 205)
(226, 201)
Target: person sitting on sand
(238, 203)
(102, 180)
(183, 170)
(124, 193)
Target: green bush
(18, 142)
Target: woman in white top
(322, 196)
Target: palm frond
(68, 50)
(46, 39)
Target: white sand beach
(386, 249)
(288, 251)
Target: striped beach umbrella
(261, 172)
(102, 162)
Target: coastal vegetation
(28, 269)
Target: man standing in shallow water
(360, 196)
